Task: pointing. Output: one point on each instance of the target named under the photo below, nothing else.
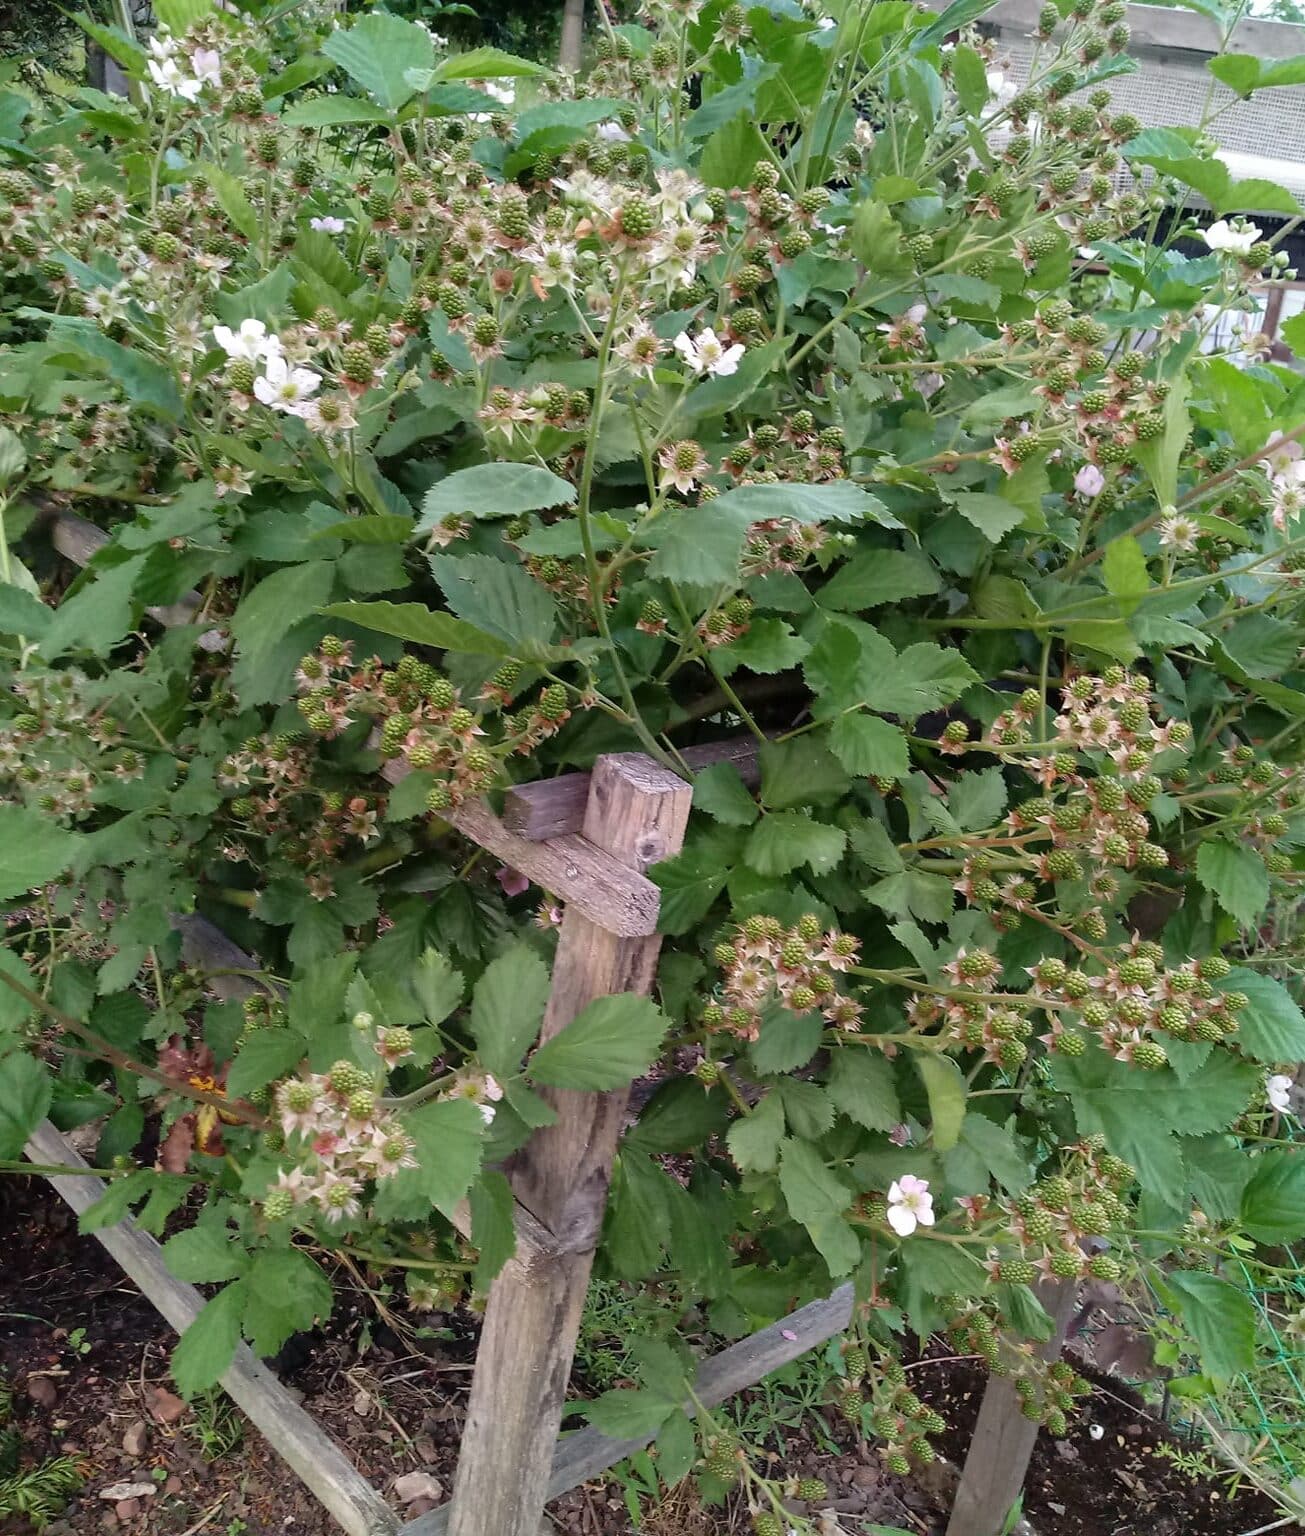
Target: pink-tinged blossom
(1277, 1086)
(910, 1205)
(1089, 481)
(207, 64)
(1237, 237)
(512, 881)
(328, 224)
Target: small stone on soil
(165, 1406)
(417, 1485)
(42, 1391)
(119, 1491)
(137, 1438)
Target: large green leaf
(494, 490)
(333, 111)
(1271, 1028)
(33, 850)
(450, 1145)
(875, 576)
(1262, 646)
(754, 1138)
(861, 1084)
(506, 1008)
(609, 1044)
(992, 515)
(420, 625)
(501, 598)
(285, 1293)
(1236, 876)
(944, 1082)
(205, 1254)
(267, 1055)
(817, 1198)
(486, 64)
(205, 1350)
(783, 841)
(1220, 1318)
(98, 614)
(378, 51)
(868, 746)
(25, 1093)
(1273, 1202)
(277, 603)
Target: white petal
(901, 1220)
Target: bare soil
(88, 1356)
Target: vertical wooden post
(573, 32)
(999, 1455)
(636, 812)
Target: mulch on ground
(88, 1358)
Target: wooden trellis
(588, 839)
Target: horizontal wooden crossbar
(586, 1453)
(291, 1432)
(548, 808)
(609, 893)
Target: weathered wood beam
(636, 816)
(586, 1454)
(291, 1432)
(547, 808)
(572, 867)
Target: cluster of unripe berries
(877, 1400)
(1046, 1389)
(1054, 1226)
(796, 967)
(420, 717)
(59, 746)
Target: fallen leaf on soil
(41, 1391)
(118, 1491)
(136, 1438)
(127, 1509)
(165, 1406)
(417, 1485)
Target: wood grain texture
(292, 1434)
(999, 1454)
(548, 808)
(572, 867)
(586, 1454)
(636, 816)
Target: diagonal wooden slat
(291, 1432)
(585, 1454)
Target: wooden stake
(999, 1455)
(636, 812)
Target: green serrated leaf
(25, 1093)
(494, 490)
(870, 747)
(783, 841)
(205, 1350)
(507, 1007)
(1236, 876)
(721, 794)
(420, 625)
(754, 1139)
(378, 51)
(609, 1044)
(862, 1086)
(817, 1198)
(1271, 1028)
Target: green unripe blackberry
(362, 1104)
(376, 338)
(812, 1490)
(1136, 971)
(240, 375)
(1104, 1266)
(707, 1072)
(1012, 1054)
(1132, 1011)
(1038, 1226)
(750, 278)
(767, 1524)
(1275, 825)
(920, 248)
(484, 330)
(850, 1405)
(1064, 1264)
(438, 797)
(1277, 863)
(1152, 856)
(552, 702)
(814, 199)
(1174, 1019)
(513, 217)
(793, 243)
(377, 204)
(278, 1204)
(1070, 816)
(723, 1458)
(1076, 986)
(346, 1078)
(1147, 428)
(1064, 181)
(1062, 865)
(637, 217)
(357, 363)
(1150, 1055)
(1016, 1272)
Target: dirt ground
(87, 1357)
